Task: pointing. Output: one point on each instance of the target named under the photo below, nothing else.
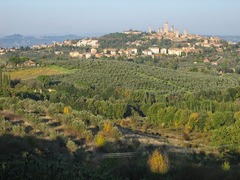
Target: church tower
(177, 34)
(185, 33)
(150, 29)
(166, 27)
(160, 30)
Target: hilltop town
(132, 48)
(167, 43)
(181, 44)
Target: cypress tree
(0, 78)
(9, 80)
(4, 81)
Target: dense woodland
(60, 125)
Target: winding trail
(147, 139)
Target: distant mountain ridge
(230, 38)
(18, 40)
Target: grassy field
(35, 72)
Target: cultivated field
(32, 73)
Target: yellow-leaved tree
(67, 110)
(158, 163)
(107, 126)
(193, 120)
(100, 140)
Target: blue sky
(89, 17)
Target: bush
(100, 140)
(18, 130)
(78, 125)
(115, 133)
(158, 163)
(226, 166)
(186, 136)
(88, 135)
(71, 146)
(107, 126)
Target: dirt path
(147, 139)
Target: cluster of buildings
(2, 51)
(209, 42)
(171, 33)
(162, 33)
(81, 43)
(154, 50)
(166, 32)
(133, 52)
(108, 52)
(28, 63)
(6, 50)
(88, 42)
(174, 35)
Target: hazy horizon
(86, 18)
(52, 34)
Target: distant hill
(230, 38)
(18, 40)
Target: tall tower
(160, 30)
(150, 29)
(177, 33)
(172, 28)
(166, 27)
(185, 32)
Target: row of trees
(116, 90)
(189, 120)
(16, 59)
(138, 76)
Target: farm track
(148, 139)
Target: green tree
(44, 80)
(0, 78)
(222, 118)
(4, 80)
(237, 117)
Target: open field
(32, 73)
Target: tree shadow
(54, 124)
(16, 145)
(127, 160)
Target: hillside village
(132, 50)
(162, 33)
(165, 42)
